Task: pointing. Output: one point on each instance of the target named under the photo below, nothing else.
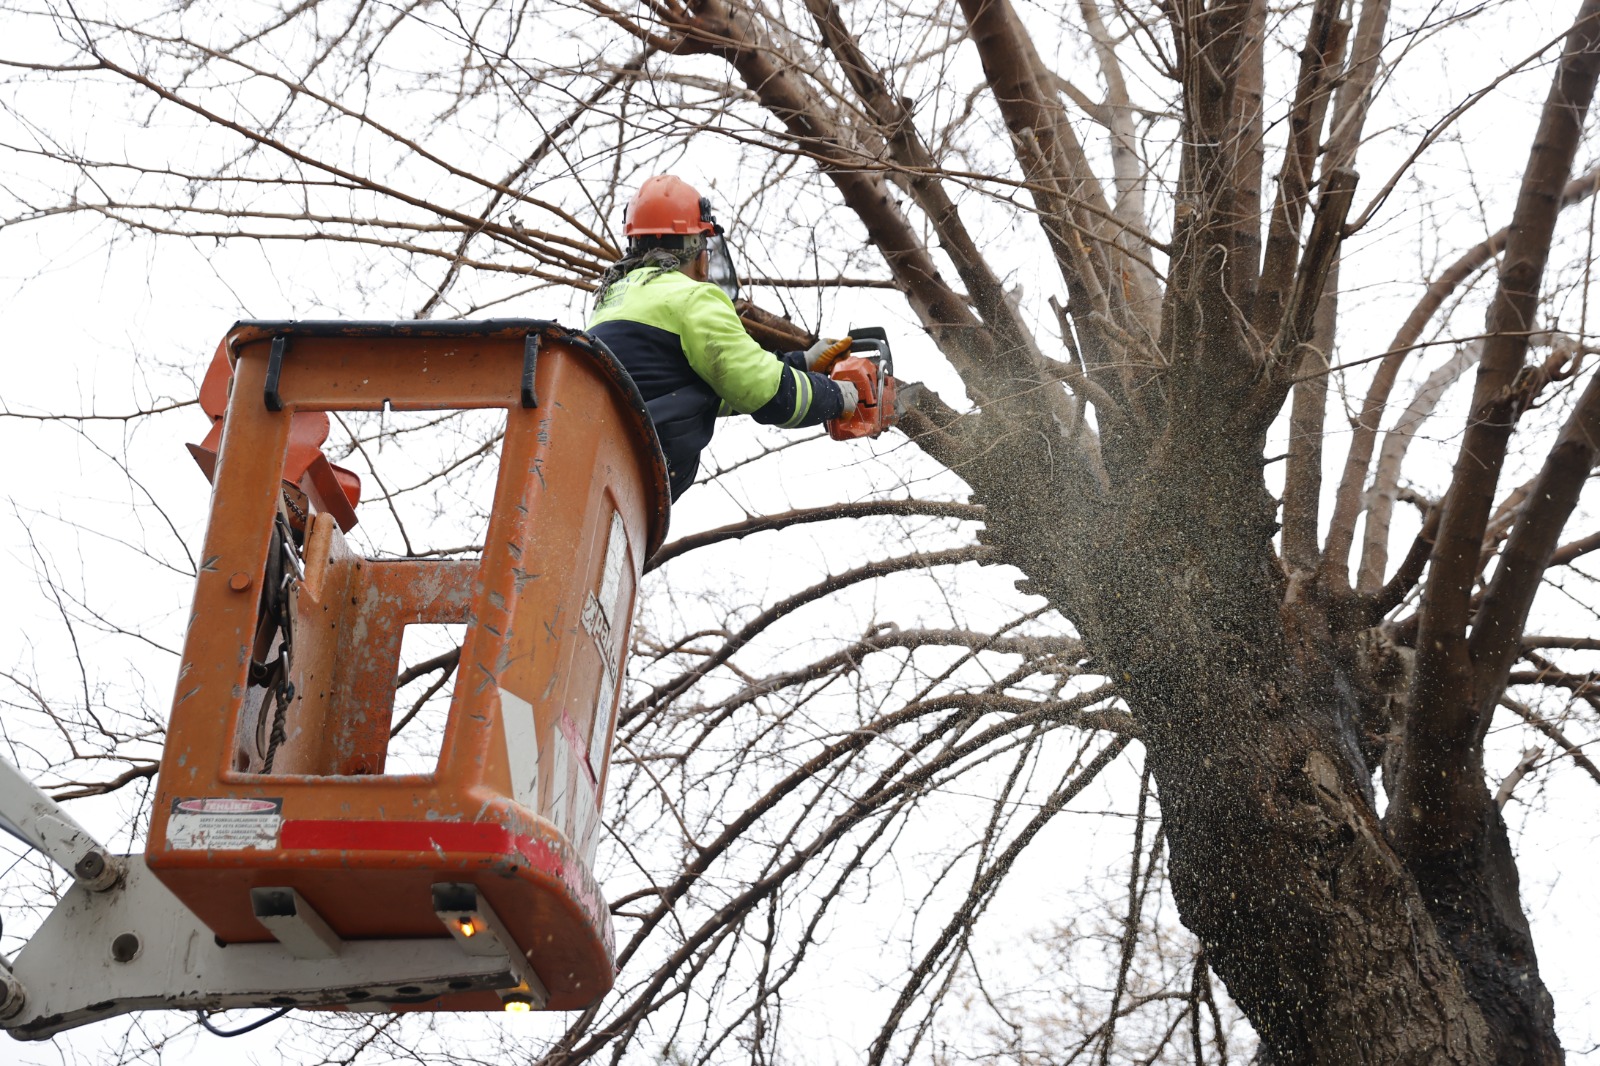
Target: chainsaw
(871, 374)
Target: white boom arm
(119, 941)
(42, 823)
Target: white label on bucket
(223, 823)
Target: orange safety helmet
(667, 205)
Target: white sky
(99, 325)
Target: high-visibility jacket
(684, 346)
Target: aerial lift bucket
(274, 818)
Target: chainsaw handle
(870, 368)
(863, 342)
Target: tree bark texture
(1278, 859)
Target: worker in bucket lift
(681, 340)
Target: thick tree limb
(1053, 161)
(1302, 475)
(1130, 172)
(777, 85)
(1497, 626)
(1443, 785)
(1245, 139)
(1354, 94)
(897, 125)
(1385, 490)
(1320, 58)
(1441, 816)
(1311, 277)
(1208, 348)
(773, 332)
(1306, 336)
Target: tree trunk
(1278, 860)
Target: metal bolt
(239, 581)
(12, 997)
(90, 866)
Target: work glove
(821, 356)
(851, 398)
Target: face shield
(719, 260)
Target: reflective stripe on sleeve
(802, 398)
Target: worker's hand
(822, 355)
(851, 398)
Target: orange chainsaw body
(872, 374)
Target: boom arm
(43, 824)
(120, 941)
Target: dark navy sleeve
(803, 398)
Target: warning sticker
(219, 823)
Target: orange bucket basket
(293, 628)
